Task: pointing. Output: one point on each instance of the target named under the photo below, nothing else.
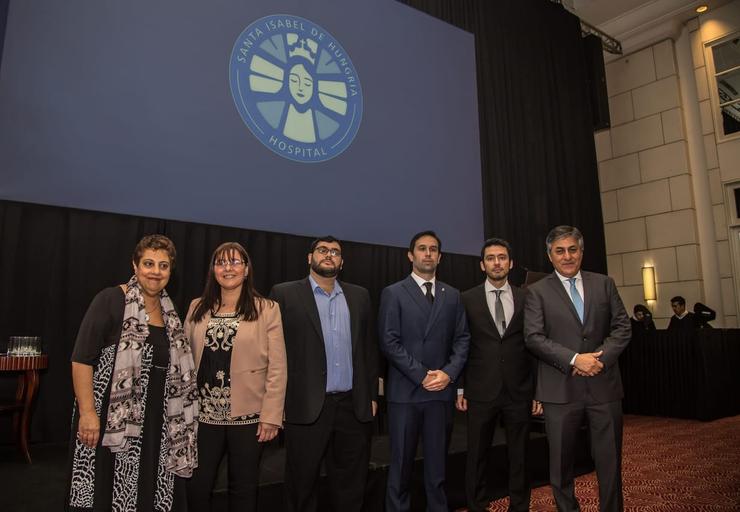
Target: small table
(25, 392)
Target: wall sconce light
(648, 283)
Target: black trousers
(239, 442)
(481, 420)
(342, 442)
(563, 423)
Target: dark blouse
(102, 328)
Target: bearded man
(331, 397)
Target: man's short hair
(560, 232)
(327, 238)
(679, 300)
(495, 241)
(431, 233)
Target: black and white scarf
(125, 417)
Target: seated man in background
(682, 320)
(703, 315)
(642, 319)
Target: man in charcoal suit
(498, 380)
(576, 324)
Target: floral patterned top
(214, 374)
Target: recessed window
(726, 58)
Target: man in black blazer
(498, 379)
(331, 397)
(575, 323)
(424, 336)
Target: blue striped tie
(576, 298)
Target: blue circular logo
(296, 88)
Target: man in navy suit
(424, 336)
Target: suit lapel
(309, 302)
(353, 320)
(439, 298)
(417, 295)
(557, 285)
(588, 293)
(483, 304)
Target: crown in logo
(302, 47)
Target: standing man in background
(575, 323)
(498, 379)
(331, 397)
(424, 336)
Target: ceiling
(638, 23)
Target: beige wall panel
(638, 135)
(671, 229)
(614, 266)
(665, 64)
(664, 161)
(626, 236)
(711, 150)
(656, 97)
(728, 295)
(603, 143)
(707, 122)
(681, 197)
(725, 258)
(697, 49)
(687, 257)
(609, 209)
(630, 72)
(715, 186)
(620, 108)
(702, 86)
(646, 199)
(672, 121)
(729, 160)
(619, 172)
(720, 222)
(663, 260)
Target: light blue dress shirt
(335, 326)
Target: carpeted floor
(668, 465)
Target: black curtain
(54, 260)
(537, 149)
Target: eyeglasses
(233, 263)
(331, 252)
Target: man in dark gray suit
(498, 380)
(576, 324)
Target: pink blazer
(259, 370)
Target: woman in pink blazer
(237, 341)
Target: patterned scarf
(126, 407)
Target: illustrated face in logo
(295, 88)
(301, 84)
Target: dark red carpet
(668, 465)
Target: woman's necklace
(154, 307)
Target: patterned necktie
(498, 313)
(576, 298)
(428, 293)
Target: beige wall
(646, 187)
